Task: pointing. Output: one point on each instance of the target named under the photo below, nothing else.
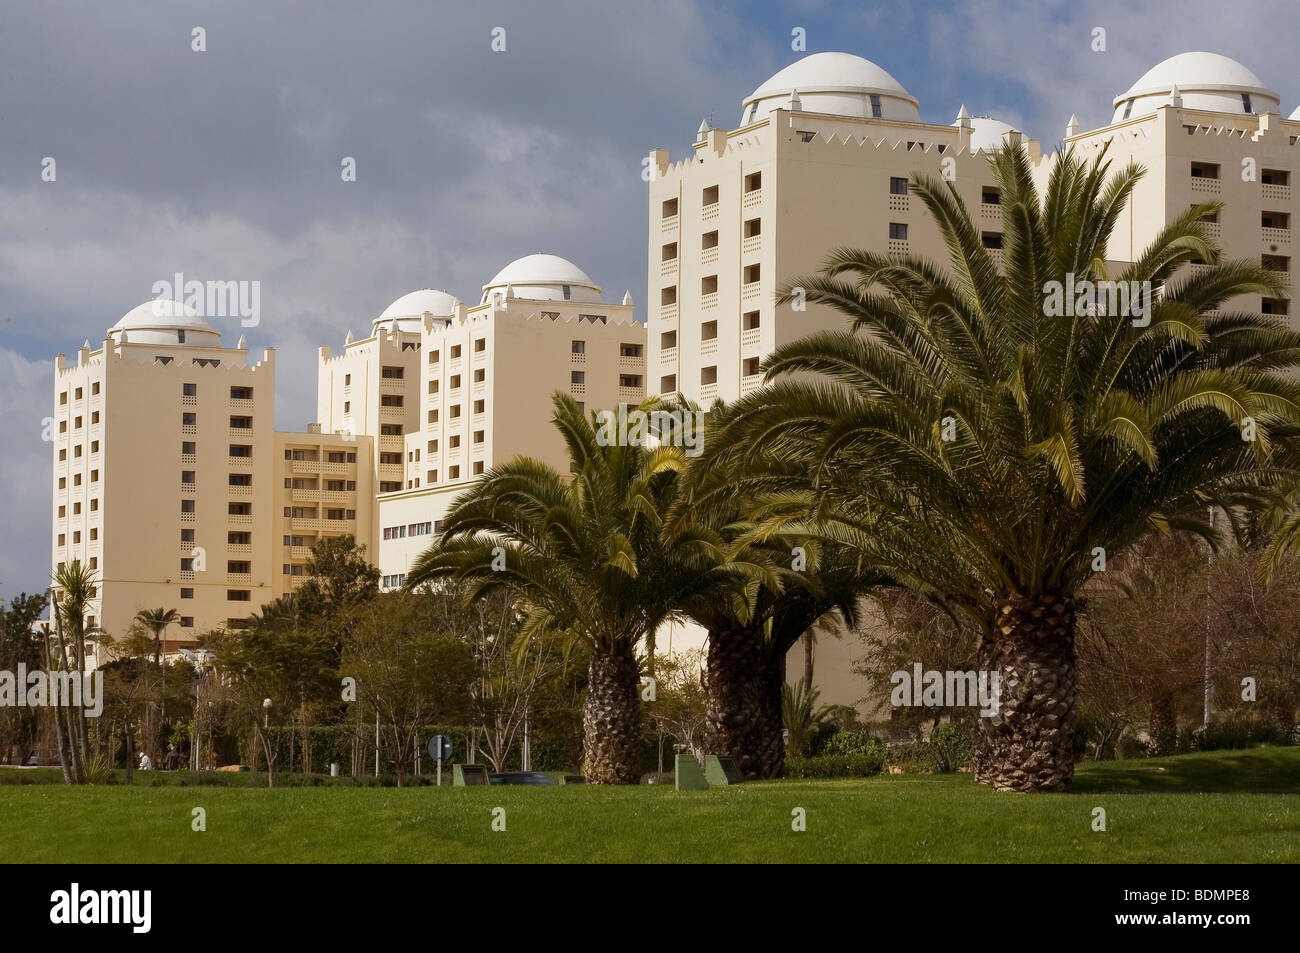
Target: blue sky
(225, 164)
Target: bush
(1225, 735)
(835, 766)
(919, 757)
(952, 744)
(855, 742)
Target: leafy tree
(19, 645)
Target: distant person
(146, 763)
(173, 758)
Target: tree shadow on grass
(1254, 771)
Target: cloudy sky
(225, 164)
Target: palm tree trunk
(611, 719)
(808, 644)
(1028, 745)
(743, 714)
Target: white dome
(986, 133)
(407, 312)
(163, 321)
(543, 278)
(1207, 81)
(840, 84)
(1295, 114)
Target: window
(390, 458)
(806, 135)
(1274, 220)
(241, 479)
(241, 393)
(239, 509)
(478, 466)
(709, 375)
(1274, 306)
(991, 196)
(433, 356)
(480, 375)
(239, 595)
(629, 350)
(94, 476)
(454, 411)
(478, 436)
(187, 622)
(667, 339)
(94, 533)
(433, 416)
(1274, 177)
(76, 451)
(187, 476)
(708, 330)
(187, 506)
(875, 107)
(709, 285)
(753, 228)
(668, 384)
(63, 398)
(238, 566)
(180, 336)
(453, 473)
(709, 240)
(391, 400)
(63, 483)
(670, 208)
(63, 454)
(751, 274)
(347, 380)
(433, 446)
(392, 373)
(76, 424)
(750, 366)
(897, 185)
(190, 390)
(389, 486)
(453, 441)
(1275, 262)
(76, 479)
(241, 423)
(578, 347)
(455, 351)
(1245, 102)
(94, 446)
(753, 181)
(668, 252)
(991, 239)
(629, 380)
(233, 539)
(898, 231)
(187, 593)
(480, 345)
(1205, 170)
(710, 196)
(478, 406)
(432, 476)
(668, 296)
(749, 320)
(1128, 109)
(94, 505)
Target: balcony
(189, 430)
(304, 524)
(242, 403)
(668, 312)
(750, 384)
(188, 517)
(188, 459)
(1276, 236)
(337, 496)
(709, 348)
(631, 360)
(751, 245)
(709, 255)
(1205, 184)
(337, 468)
(239, 549)
(304, 466)
(667, 355)
(304, 495)
(709, 300)
(187, 575)
(240, 519)
(1277, 193)
(391, 470)
(337, 526)
(240, 578)
(1213, 230)
(751, 337)
(708, 392)
(578, 357)
(753, 198)
(750, 291)
(243, 463)
(710, 212)
(187, 400)
(996, 255)
(577, 389)
(240, 492)
(631, 393)
(668, 269)
(299, 552)
(392, 385)
(391, 413)
(671, 222)
(242, 434)
(187, 488)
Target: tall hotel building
(824, 154)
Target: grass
(1224, 807)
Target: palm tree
(74, 586)
(585, 555)
(983, 449)
(157, 621)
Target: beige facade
(823, 157)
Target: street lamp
(266, 709)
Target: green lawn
(1222, 807)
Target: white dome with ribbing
(542, 278)
(408, 311)
(986, 133)
(163, 321)
(1209, 81)
(840, 84)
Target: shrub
(951, 743)
(835, 766)
(855, 742)
(919, 757)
